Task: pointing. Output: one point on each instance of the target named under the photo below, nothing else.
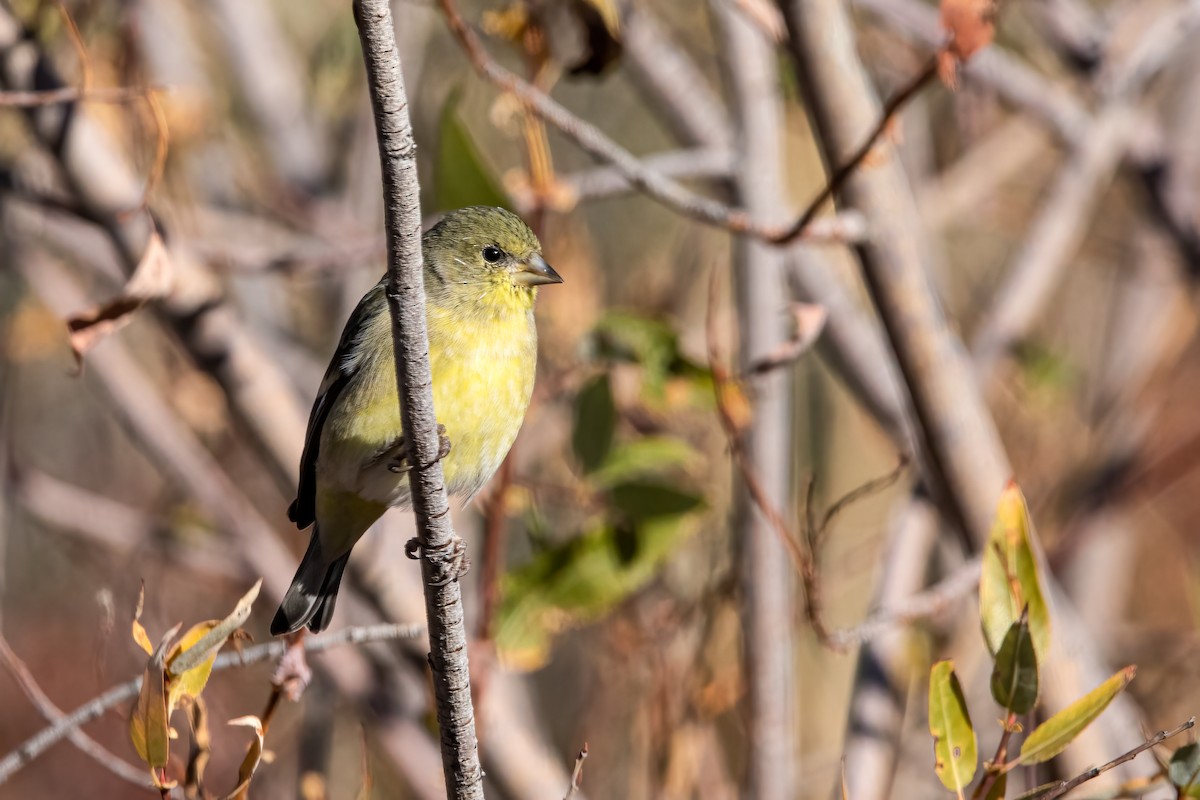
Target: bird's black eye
(492, 254)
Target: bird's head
(485, 256)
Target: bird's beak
(535, 272)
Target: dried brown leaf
(153, 278)
(971, 25)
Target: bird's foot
(399, 462)
(455, 562)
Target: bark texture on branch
(440, 555)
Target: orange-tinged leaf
(1052, 736)
(152, 279)
(971, 25)
(148, 728)
(139, 633)
(254, 756)
(1010, 580)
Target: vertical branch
(759, 288)
(440, 547)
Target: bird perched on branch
(482, 269)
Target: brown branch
(654, 184)
(441, 548)
(1155, 740)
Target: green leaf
(578, 581)
(460, 177)
(1184, 770)
(651, 454)
(646, 500)
(1010, 581)
(595, 422)
(1052, 736)
(1015, 675)
(955, 755)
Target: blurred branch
(441, 553)
(679, 91)
(64, 726)
(53, 714)
(654, 184)
(139, 406)
(925, 605)
(71, 94)
(604, 182)
(764, 448)
(1068, 208)
(272, 82)
(105, 189)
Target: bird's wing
(342, 368)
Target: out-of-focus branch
(654, 184)
(441, 555)
(766, 445)
(1059, 229)
(52, 713)
(105, 189)
(1055, 234)
(920, 606)
(271, 80)
(604, 182)
(176, 450)
(680, 92)
(67, 724)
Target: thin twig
(52, 713)
(925, 605)
(41, 741)
(74, 94)
(1082, 778)
(656, 185)
(577, 773)
(722, 385)
(441, 548)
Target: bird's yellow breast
(483, 369)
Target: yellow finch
(482, 269)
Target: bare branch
(654, 184)
(441, 549)
(37, 744)
(1155, 740)
(52, 713)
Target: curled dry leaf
(971, 25)
(153, 278)
(809, 322)
(254, 756)
(148, 728)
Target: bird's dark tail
(311, 597)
